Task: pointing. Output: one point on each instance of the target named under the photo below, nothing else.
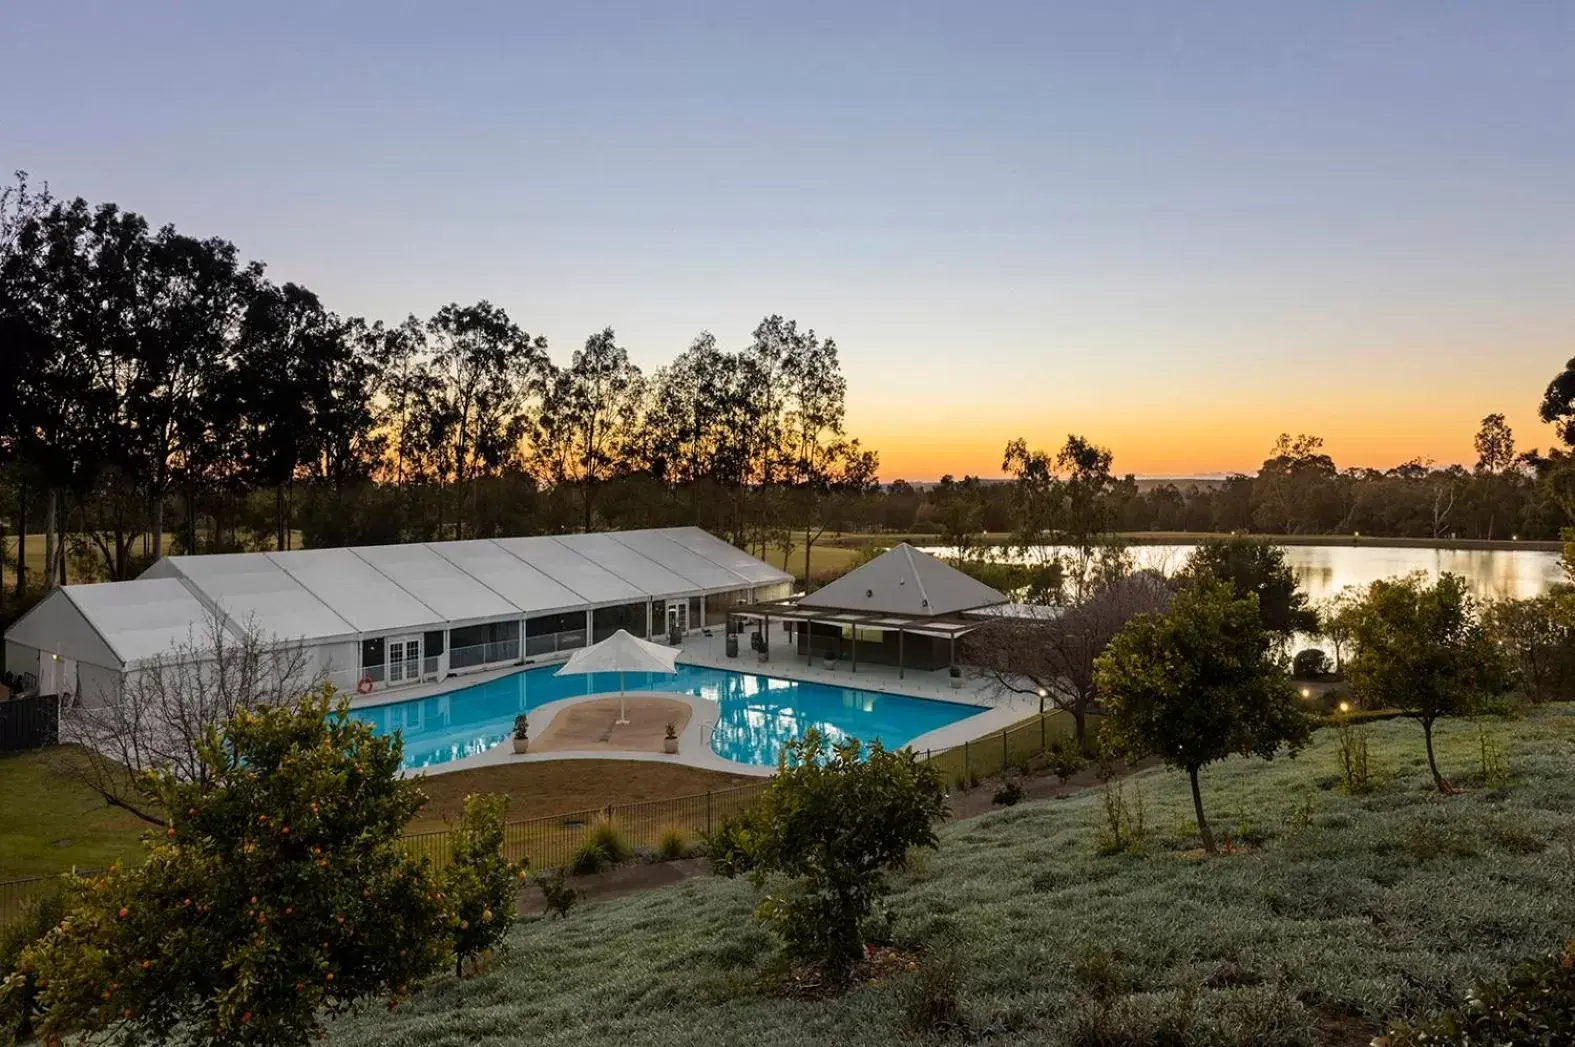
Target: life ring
(364, 686)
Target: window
(608, 620)
(372, 652)
(433, 642)
(547, 624)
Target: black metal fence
(29, 723)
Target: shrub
(1122, 825)
(277, 896)
(19, 991)
(1491, 772)
(478, 882)
(1311, 664)
(588, 858)
(607, 836)
(556, 892)
(1534, 1005)
(932, 999)
(1008, 794)
(673, 844)
(833, 821)
(1355, 771)
(1063, 757)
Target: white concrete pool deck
(996, 711)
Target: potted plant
(831, 658)
(521, 733)
(670, 743)
(956, 675)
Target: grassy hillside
(1342, 913)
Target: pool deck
(997, 710)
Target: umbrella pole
(621, 717)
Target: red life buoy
(365, 686)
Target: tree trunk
(21, 539)
(158, 525)
(1197, 806)
(278, 517)
(1432, 762)
(49, 539)
(3, 544)
(1079, 727)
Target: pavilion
(903, 608)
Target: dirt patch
(880, 961)
(593, 726)
(565, 787)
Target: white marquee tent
(385, 615)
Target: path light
(1306, 692)
(1345, 707)
(1043, 694)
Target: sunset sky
(1177, 228)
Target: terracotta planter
(521, 745)
(670, 745)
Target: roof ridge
(918, 579)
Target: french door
(404, 659)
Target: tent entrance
(404, 659)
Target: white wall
(97, 686)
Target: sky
(1177, 229)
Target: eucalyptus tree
(588, 427)
(487, 369)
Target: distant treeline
(165, 395)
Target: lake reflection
(1324, 570)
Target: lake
(1324, 570)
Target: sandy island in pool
(592, 727)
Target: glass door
(404, 659)
(677, 617)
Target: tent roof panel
(682, 561)
(56, 625)
(594, 583)
(454, 594)
(253, 590)
(143, 618)
(356, 591)
(640, 571)
(512, 578)
(724, 554)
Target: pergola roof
(903, 581)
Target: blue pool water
(756, 713)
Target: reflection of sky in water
(755, 714)
(1323, 570)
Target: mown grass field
(49, 822)
(1343, 912)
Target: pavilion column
(853, 631)
(954, 652)
(899, 654)
(765, 637)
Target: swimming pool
(756, 713)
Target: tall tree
(487, 369)
(1495, 444)
(1558, 403)
(590, 416)
(1198, 683)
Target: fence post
(965, 761)
(1044, 740)
(1003, 752)
(708, 830)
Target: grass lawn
(48, 823)
(1342, 913)
(564, 787)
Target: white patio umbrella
(621, 653)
